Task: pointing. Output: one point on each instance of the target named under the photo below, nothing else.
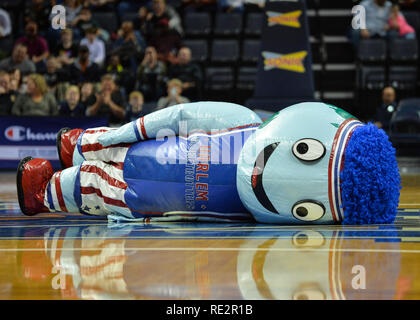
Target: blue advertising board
(284, 74)
(36, 137)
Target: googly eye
(308, 239)
(308, 210)
(308, 149)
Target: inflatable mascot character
(214, 161)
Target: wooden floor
(77, 257)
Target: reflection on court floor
(80, 257)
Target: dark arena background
(61, 61)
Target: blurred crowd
(85, 70)
(383, 19)
(90, 69)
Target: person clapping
(174, 95)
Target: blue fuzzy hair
(370, 180)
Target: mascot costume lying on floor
(213, 161)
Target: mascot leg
(77, 145)
(93, 187)
(66, 142)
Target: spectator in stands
(150, 75)
(86, 93)
(230, 6)
(121, 76)
(15, 80)
(129, 45)
(19, 60)
(83, 69)
(83, 22)
(53, 74)
(140, 22)
(37, 101)
(66, 51)
(96, 46)
(37, 45)
(189, 73)
(174, 95)
(398, 23)
(72, 106)
(108, 102)
(377, 14)
(127, 6)
(5, 24)
(7, 96)
(165, 41)
(160, 10)
(115, 67)
(135, 106)
(254, 5)
(199, 5)
(101, 5)
(38, 11)
(73, 8)
(384, 113)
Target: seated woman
(398, 23)
(36, 101)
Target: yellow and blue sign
(291, 61)
(288, 19)
(284, 74)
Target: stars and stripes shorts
(96, 186)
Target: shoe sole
(20, 193)
(58, 143)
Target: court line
(230, 228)
(410, 239)
(396, 228)
(54, 225)
(216, 249)
(203, 237)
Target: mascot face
(275, 268)
(289, 169)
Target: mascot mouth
(257, 177)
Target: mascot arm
(182, 119)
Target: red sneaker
(32, 178)
(66, 142)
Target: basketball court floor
(55, 256)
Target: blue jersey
(194, 173)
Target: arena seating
(353, 81)
(197, 24)
(228, 24)
(405, 123)
(231, 40)
(199, 49)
